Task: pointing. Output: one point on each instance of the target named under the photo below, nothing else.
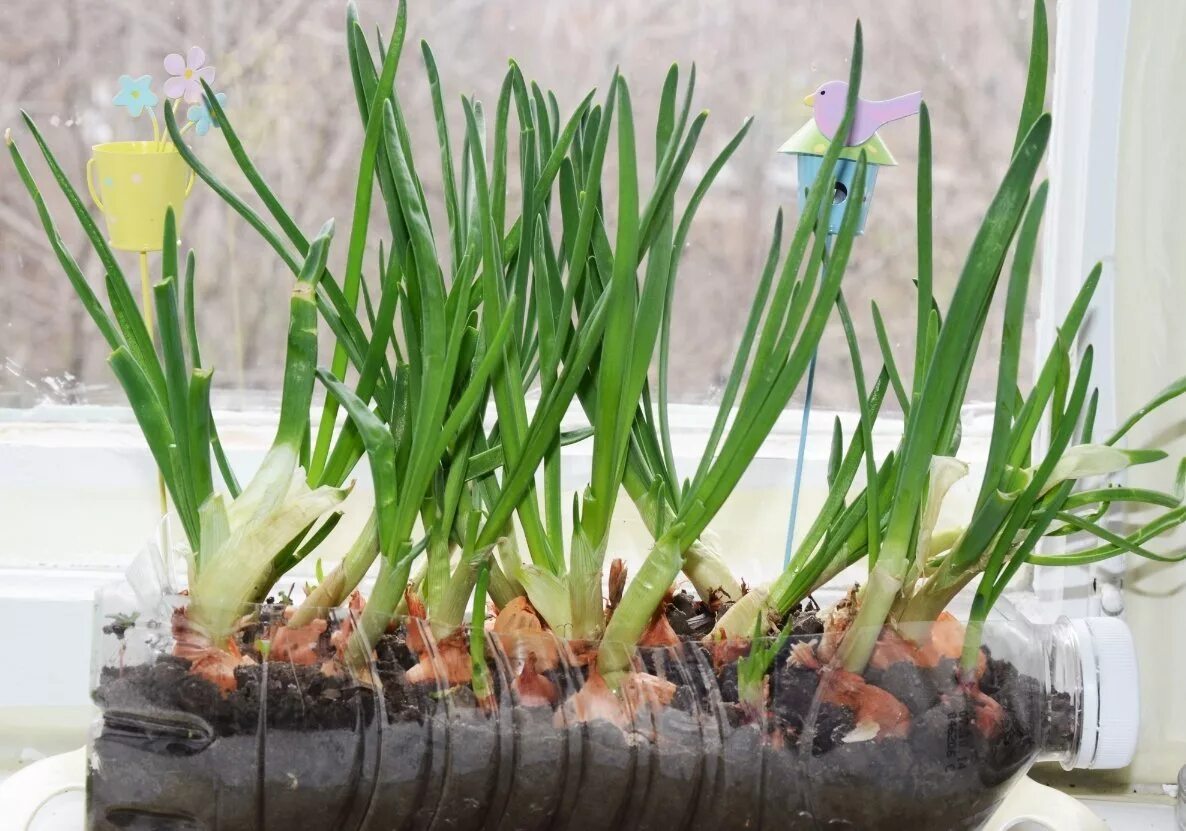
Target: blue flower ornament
(135, 94)
(201, 116)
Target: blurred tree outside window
(283, 66)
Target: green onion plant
(786, 320)
(442, 335)
(571, 284)
(1027, 492)
(240, 540)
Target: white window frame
(60, 457)
(1084, 162)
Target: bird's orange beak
(809, 100)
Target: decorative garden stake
(137, 181)
(134, 183)
(809, 144)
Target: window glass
(284, 69)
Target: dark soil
(295, 748)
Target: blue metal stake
(802, 457)
(799, 462)
(808, 146)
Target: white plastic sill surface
(79, 489)
(1133, 816)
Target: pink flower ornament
(187, 75)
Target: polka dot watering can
(133, 183)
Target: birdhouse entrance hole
(838, 197)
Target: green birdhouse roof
(808, 140)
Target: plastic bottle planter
(133, 183)
(296, 745)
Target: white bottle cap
(1111, 693)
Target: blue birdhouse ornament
(811, 141)
(829, 105)
(808, 145)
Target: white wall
(1151, 349)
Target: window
(286, 75)
(76, 488)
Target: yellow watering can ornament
(133, 183)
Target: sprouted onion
(529, 289)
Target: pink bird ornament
(828, 103)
